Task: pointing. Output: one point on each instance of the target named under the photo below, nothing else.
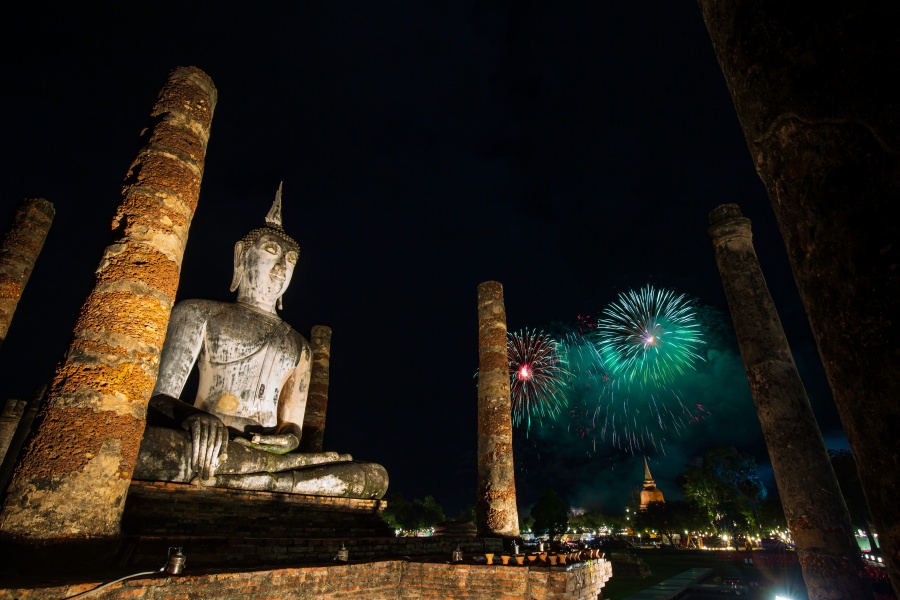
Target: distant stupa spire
(650, 493)
(648, 478)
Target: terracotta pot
(553, 559)
(490, 558)
(504, 558)
(520, 559)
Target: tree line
(723, 495)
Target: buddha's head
(264, 262)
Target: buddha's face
(268, 266)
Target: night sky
(569, 151)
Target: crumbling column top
(726, 220)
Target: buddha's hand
(209, 443)
(276, 444)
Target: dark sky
(570, 151)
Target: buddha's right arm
(184, 339)
(174, 408)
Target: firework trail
(538, 376)
(635, 418)
(649, 337)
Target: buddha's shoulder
(197, 308)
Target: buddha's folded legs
(348, 479)
(165, 456)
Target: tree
(657, 517)
(771, 514)
(526, 523)
(725, 486)
(551, 514)
(467, 514)
(667, 519)
(616, 523)
(704, 492)
(416, 516)
(588, 521)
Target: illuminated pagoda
(650, 493)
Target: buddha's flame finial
(273, 219)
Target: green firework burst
(649, 336)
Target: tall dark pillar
(815, 510)
(813, 90)
(74, 475)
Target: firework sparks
(625, 368)
(537, 376)
(649, 337)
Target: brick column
(75, 472)
(816, 513)
(18, 253)
(495, 501)
(317, 403)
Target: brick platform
(219, 527)
(158, 508)
(378, 580)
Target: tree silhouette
(551, 514)
(417, 515)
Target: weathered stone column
(814, 95)
(20, 420)
(495, 503)
(317, 401)
(75, 472)
(816, 513)
(18, 253)
(10, 417)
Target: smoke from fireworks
(537, 376)
(649, 336)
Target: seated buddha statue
(242, 429)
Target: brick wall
(151, 551)
(377, 580)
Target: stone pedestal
(159, 508)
